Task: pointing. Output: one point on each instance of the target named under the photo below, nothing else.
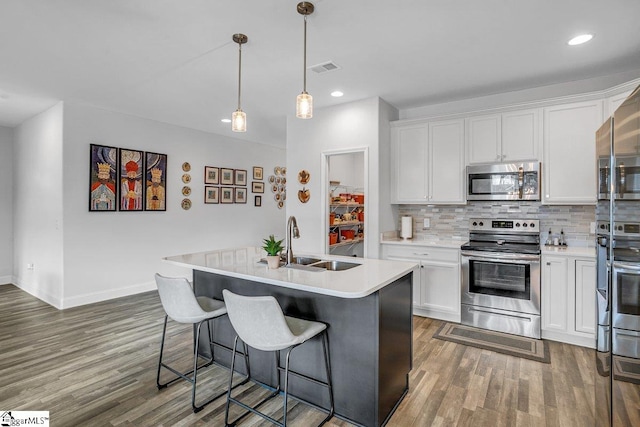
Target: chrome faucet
(292, 227)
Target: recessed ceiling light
(582, 38)
(336, 94)
(226, 120)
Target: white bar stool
(260, 323)
(181, 305)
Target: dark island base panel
(369, 339)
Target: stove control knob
(481, 223)
(475, 224)
(517, 224)
(524, 224)
(532, 225)
(619, 228)
(602, 226)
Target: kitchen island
(367, 309)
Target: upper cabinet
(506, 137)
(427, 161)
(569, 170)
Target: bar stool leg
(164, 332)
(286, 386)
(327, 364)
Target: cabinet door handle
(548, 263)
(418, 253)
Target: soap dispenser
(562, 241)
(549, 239)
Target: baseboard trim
(38, 293)
(435, 314)
(108, 294)
(6, 280)
(582, 341)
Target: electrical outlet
(30, 266)
(426, 223)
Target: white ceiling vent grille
(325, 67)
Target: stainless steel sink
(304, 260)
(335, 265)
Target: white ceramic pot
(273, 261)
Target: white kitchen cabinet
(428, 163)
(436, 285)
(569, 172)
(511, 136)
(585, 296)
(568, 299)
(554, 294)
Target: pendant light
(304, 101)
(239, 118)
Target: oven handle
(479, 310)
(625, 266)
(497, 256)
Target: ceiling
(175, 61)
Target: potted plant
(273, 248)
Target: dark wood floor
(95, 365)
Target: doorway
(345, 189)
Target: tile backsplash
(453, 221)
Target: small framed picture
(240, 195)
(240, 177)
(226, 176)
(211, 194)
(211, 175)
(257, 187)
(258, 201)
(226, 195)
(257, 172)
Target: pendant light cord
(304, 70)
(239, 72)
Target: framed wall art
(257, 201)
(226, 194)
(240, 195)
(211, 194)
(211, 175)
(226, 176)
(240, 177)
(130, 179)
(156, 181)
(257, 172)
(103, 167)
(257, 187)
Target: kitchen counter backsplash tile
(453, 221)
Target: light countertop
(368, 277)
(417, 241)
(575, 251)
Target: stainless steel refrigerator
(617, 392)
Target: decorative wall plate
(304, 195)
(280, 204)
(277, 170)
(304, 176)
(186, 167)
(277, 197)
(186, 204)
(283, 171)
(272, 179)
(274, 188)
(186, 178)
(186, 191)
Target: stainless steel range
(501, 276)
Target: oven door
(501, 280)
(626, 295)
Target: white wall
(6, 205)
(348, 169)
(348, 126)
(37, 205)
(110, 254)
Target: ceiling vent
(325, 67)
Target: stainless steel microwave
(504, 181)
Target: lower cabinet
(436, 283)
(569, 299)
